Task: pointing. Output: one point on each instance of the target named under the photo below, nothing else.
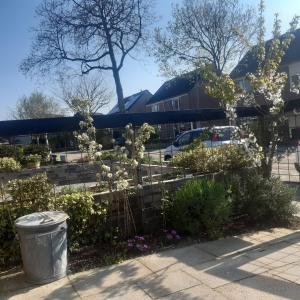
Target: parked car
(211, 137)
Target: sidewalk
(262, 265)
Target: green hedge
(202, 159)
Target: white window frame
(294, 72)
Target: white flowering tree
(266, 93)
(114, 176)
(134, 142)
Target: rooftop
(248, 63)
(129, 102)
(175, 87)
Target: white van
(216, 136)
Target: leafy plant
(41, 150)
(262, 200)
(31, 194)
(201, 206)
(202, 159)
(33, 158)
(28, 196)
(9, 164)
(13, 151)
(86, 224)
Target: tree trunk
(114, 68)
(119, 90)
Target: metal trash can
(43, 241)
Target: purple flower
(130, 245)
(169, 236)
(140, 247)
(177, 236)
(140, 238)
(174, 232)
(131, 241)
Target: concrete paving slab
(289, 272)
(58, 290)
(223, 271)
(275, 255)
(199, 292)
(13, 281)
(262, 287)
(225, 247)
(166, 283)
(92, 282)
(191, 255)
(120, 292)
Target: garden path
(258, 265)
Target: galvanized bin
(43, 241)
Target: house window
(175, 104)
(155, 108)
(294, 72)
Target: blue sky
(17, 17)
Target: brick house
(184, 92)
(290, 64)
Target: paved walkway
(262, 265)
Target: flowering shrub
(139, 243)
(171, 235)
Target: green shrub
(202, 159)
(87, 219)
(260, 200)
(85, 226)
(31, 194)
(41, 150)
(28, 196)
(9, 164)
(9, 246)
(201, 206)
(14, 151)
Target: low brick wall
(146, 204)
(76, 173)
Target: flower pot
(34, 165)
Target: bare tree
(87, 87)
(36, 106)
(205, 32)
(96, 34)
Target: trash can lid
(41, 219)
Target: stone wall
(75, 173)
